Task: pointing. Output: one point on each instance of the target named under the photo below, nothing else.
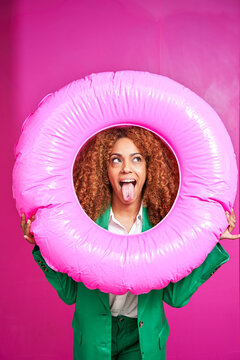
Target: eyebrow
(117, 154)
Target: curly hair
(91, 181)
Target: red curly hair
(91, 181)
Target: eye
(137, 159)
(115, 160)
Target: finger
(30, 239)
(226, 235)
(23, 221)
(232, 216)
(231, 220)
(231, 226)
(234, 237)
(27, 230)
(228, 216)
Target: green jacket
(92, 317)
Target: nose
(126, 167)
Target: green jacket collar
(104, 219)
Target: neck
(128, 211)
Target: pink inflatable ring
(69, 240)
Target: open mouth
(127, 182)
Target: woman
(99, 170)
(126, 180)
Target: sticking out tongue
(128, 191)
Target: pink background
(45, 45)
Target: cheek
(144, 178)
(144, 174)
(111, 176)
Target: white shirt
(126, 304)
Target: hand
(231, 221)
(26, 228)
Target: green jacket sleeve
(178, 294)
(66, 287)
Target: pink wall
(47, 44)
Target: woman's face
(127, 171)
